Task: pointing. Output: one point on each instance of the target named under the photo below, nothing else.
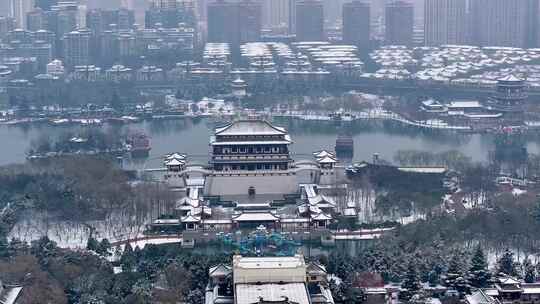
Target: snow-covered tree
(529, 270)
(104, 247)
(92, 244)
(479, 274)
(128, 260)
(411, 283)
(506, 264)
(455, 276)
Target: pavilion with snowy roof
(323, 154)
(255, 219)
(175, 155)
(175, 164)
(191, 222)
(310, 194)
(510, 96)
(268, 280)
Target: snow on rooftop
(268, 262)
(175, 155)
(531, 288)
(255, 217)
(510, 78)
(10, 295)
(326, 160)
(250, 127)
(322, 217)
(322, 154)
(190, 219)
(175, 162)
(438, 170)
(252, 293)
(465, 104)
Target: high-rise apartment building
(7, 24)
(45, 4)
(234, 22)
(446, 22)
(169, 14)
(26, 44)
(309, 20)
(36, 20)
(292, 16)
(77, 48)
(222, 22)
(504, 23)
(250, 20)
(165, 4)
(333, 11)
(100, 20)
(356, 23)
(275, 13)
(399, 23)
(20, 8)
(5, 9)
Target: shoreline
(321, 116)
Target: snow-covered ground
(117, 226)
(367, 213)
(155, 241)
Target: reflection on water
(192, 137)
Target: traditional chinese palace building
(250, 168)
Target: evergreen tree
(506, 265)
(195, 296)
(92, 244)
(535, 212)
(411, 283)
(128, 259)
(4, 247)
(455, 276)
(104, 247)
(478, 273)
(529, 271)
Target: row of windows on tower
(251, 167)
(251, 150)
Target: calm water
(192, 137)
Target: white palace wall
(240, 184)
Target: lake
(191, 136)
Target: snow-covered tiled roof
(465, 104)
(220, 270)
(255, 217)
(321, 217)
(326, 160)
(250, 127)
(510, 78)
(323, 153)
(175, 162)
(176, 155)
(191, 219)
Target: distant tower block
(510, 96)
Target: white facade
(19, 10)
(55, 68)
(262, 183)
(251, 157)
(269, 269)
